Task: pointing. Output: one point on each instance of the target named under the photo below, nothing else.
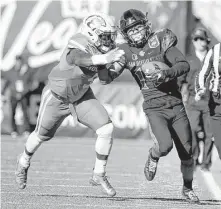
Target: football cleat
(190, 196)
(101, 180)
(150, 168)
(21, 174)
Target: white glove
(110, 57)
(199, 94)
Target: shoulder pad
(167, 38)
(78, 41)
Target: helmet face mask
(137, 33)
(106, 41)
(101, 31)
(135, 21)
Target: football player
(212, 66)
(162, 98)
(68, 92)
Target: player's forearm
(179, 64)
(81, 58)
(180, 68)
(90, 60)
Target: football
(151, 67)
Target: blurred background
(37, 31)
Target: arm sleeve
(205, 71)
(79, 57)
(178, 62)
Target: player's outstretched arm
(84, 59)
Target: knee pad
(33, 142)
(104, 140)
(43, 137)
(105, 131)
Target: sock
(32, 144)
(100, 166)
(103, 147)
(187, 184)
(153, 155)
(187, 171)
(101, 159)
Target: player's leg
(13, 106)
(92, 114)
(24, 105)
(182, 135)
(51, 114)
(194, 118)
(208, 141)
(216, 124)
(162, 142)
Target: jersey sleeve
(77, 51)
(204, 72)
(178, 63)
(78, 41)
(167, 39)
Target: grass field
(60, 170)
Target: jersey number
(140, 78)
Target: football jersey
(71, 81)
(211, 69)
(165, 95)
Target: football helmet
(135, 27)
(101, 31)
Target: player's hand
(114, 55)
(157, 77)
(199, 94)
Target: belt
(64, 100)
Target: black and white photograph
(110, 104)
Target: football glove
(157, 77)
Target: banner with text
(40, 29)
(123, 103)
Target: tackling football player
(156, 63)
(68, 92)
(212, 66)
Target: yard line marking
(68, 186)
(73, 173)
(211, 184)
(71, 179)
(78, 205)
